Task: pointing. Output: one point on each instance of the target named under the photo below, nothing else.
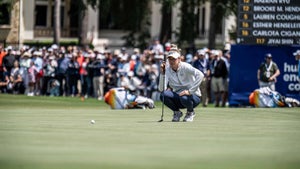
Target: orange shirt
(80, 60)
(2, 54)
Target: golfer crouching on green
(181, 81)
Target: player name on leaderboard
(269, 22)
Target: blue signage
(244, 63)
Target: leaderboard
(269, 22)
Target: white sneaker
(176, 116)
(189, 117)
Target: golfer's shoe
(176, 116)
(189, 117)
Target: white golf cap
(201, 52)
(100, 56)
(54, 46)
(26, 54)
(215, 52)
(37, 53)
(130, 73)
(9, 48)
(173, 54)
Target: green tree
(187, 24)
(219, 10)
(166, 21)
(137, 21)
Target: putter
(163, 99)
(162, 109)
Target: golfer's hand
(185, 92)
(163, 68)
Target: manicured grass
(55, 132)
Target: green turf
(55, 132)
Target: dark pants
(86, 85)
(63, 88)
(72, 82)
(176, 102)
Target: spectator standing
(219, 74)
(32, 72)
(61, 74)
(8, 60)
(38, 62)
(24, 66)
(226, 58)
(80, 60)
(73, 75)
(49, 73)
(85, 78)
(202, 64)
(111, 72)
(98, 67)
(267, 73)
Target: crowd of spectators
(90, 73)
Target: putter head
(161, 120)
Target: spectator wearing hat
(8, 60)
(183, 82)
(297, 57)
(219, 75)
(16, 79)
(32, 72)
(24, 66)
(202, 64)
(124, 55)
(50, 67)
(98, 67)
(268, 72)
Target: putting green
(49, 132)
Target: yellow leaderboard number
(245, 33)
(245, 24)
(260, 40)
(246, 8)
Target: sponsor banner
(244, 63)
